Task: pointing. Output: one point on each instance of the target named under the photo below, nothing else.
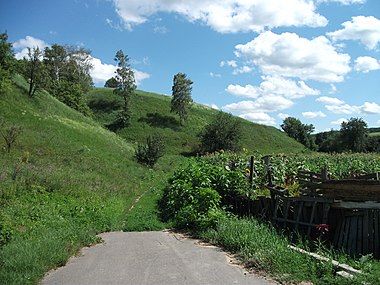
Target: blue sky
(263, 60)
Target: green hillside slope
(65, 179)
(151, 114)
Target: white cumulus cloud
(329, 100)
(243, 69)
(101, 72)
(361, 28)
(283, 116)
(21, 46)
(290, 55)
(247, 91)
(231, 63)
(312, 115)
(344, 2)
(370, 108)
(260, 118)
(343, 109)
(338, 121)
(270, 103)
(229, 16)
(273, 85)
(366, 64)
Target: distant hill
(151, 114)
(374, 131)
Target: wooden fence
(344, 212)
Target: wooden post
(267, 164)
(324, 173)
(251, 169)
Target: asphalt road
(151, 258)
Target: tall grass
(261, 247)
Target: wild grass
(260, 247)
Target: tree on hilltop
(126, 85)
(181, 101)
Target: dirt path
(151, 258)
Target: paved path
(151, 258)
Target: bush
(223, 133)
(148, 153)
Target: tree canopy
(222, 133)
(354, 135)
(300, 132)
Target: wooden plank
(346, 232)
(287, 205)
(370, 231)
(299, 214)
(359, 241)
(341, 233)
(356, 205)
(374, 175)
(295, 222)
(351, 246)
(337, 234)
(311, 218)
(325, 215)
(376, 234)
(342, 266)
(365, 232)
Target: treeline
(353, 136)
(63, 71)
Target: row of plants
(206, 184)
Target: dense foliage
(149, 152)
(7, 62)
(222, 133)
(300, 132)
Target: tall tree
(7, 61)
(34, 70)
(181, 101)
(126, 85)
(300, 132)
(354, 135)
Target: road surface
(151, 258)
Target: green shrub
(223, 133)
(149, 152)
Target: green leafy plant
(148, 153)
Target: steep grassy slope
(151, 114)
(65, 179)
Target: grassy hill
(151, 114)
